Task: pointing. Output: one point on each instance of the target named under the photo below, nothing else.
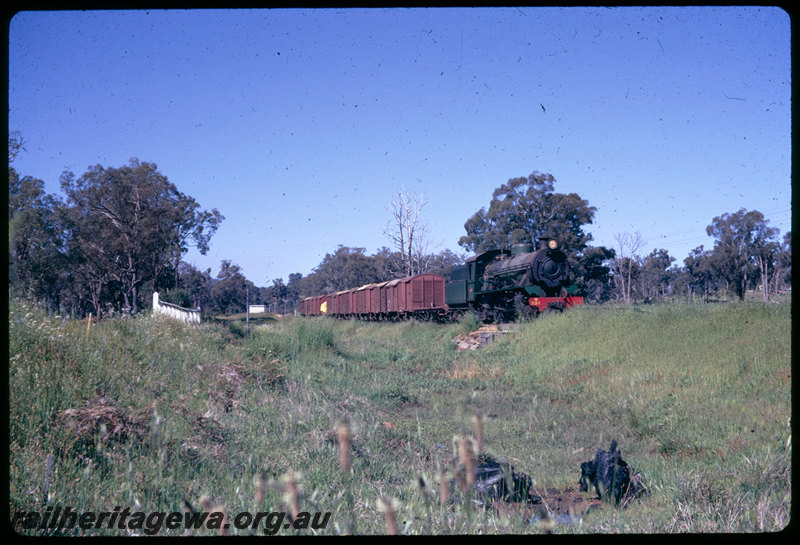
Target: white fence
(186, 315)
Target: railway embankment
(153, 415)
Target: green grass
(147, 413)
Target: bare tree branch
(625, 261)
(405, 230)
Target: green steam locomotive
(500, 285)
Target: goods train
(497, 285)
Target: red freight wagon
(423, 294)
(375, 299)
(393, 303)
(344, 303)
(385, 298)
(320, 305)
(347, 306)
(334, 303)
(362, 300)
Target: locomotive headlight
(552, 244)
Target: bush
(178, 297)
(469, 323)
(238, 328)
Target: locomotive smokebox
(550, 268)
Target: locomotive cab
(467, 281)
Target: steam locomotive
(498, 285)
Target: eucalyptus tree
(281, 297)
(16, 144)
(592, 274)
(783, 264)
(36, 249)
(528, 210)
(344, 269)
(699, 272)
(656, 275)
(196, 283)
(130, 223)
(229, 292)
(744, 247)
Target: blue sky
(301, 125)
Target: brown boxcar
(424, 292)
(393, 303)
(347, 303)
(334, 302)
(375, 291)
(421, 295)
(319, 305)
(361, 296)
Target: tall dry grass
(146, 413)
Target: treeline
(118, 234)
(747, 255)
(230, 291)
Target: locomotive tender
(497, 285)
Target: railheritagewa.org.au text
(67, 518)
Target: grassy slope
(146, 413)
